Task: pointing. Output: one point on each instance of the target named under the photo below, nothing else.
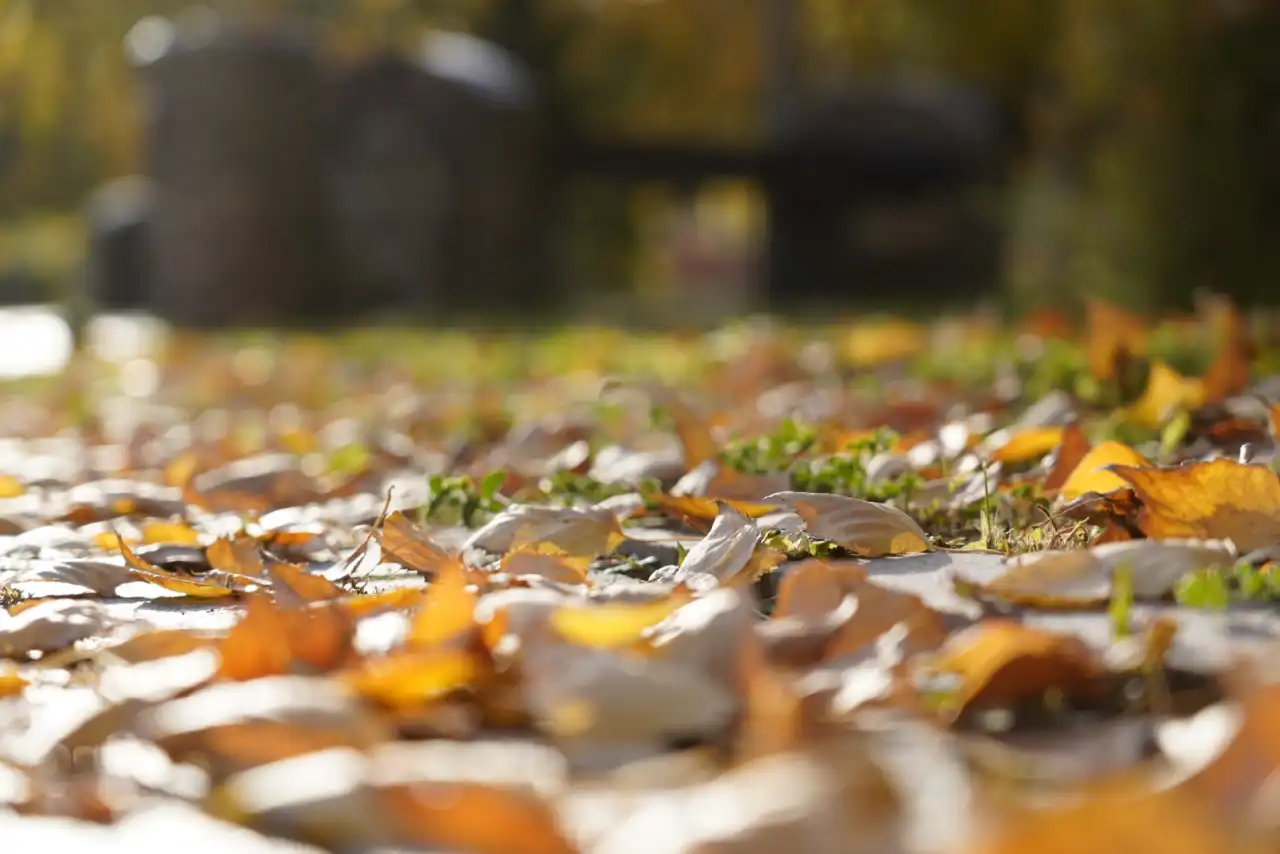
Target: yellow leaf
(410, 679)
(11, 487)
(1214, 500)
(868, 345)
(169, 532)
(1091, 476)
(1027, 445)
(188, 586)
(1167, 392)
(615, 624)
(548, 561)
(706, 509)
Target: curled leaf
(863, 527)
(1218, 500)
(1092, 475)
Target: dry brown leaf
(1074, 447)
(1214, 500)
(865, 528)
(241, 555)
(410, 545)
(1091, 474)
(294, 587)
(1001, 663)
(474, 818)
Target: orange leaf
(473, 817)
(1217, 499)
(240, 555)
(1002, 662)
(11, 684)
(1090, 475)
(448, 611)
(270, 641)
(1110, 332)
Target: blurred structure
(118, 267)
(233, 119)
(432, 175)
(284, 190)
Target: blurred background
(644, 161)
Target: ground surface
(872, 587)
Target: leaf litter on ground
(879, 587)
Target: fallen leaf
(1214, 500)
(1081, 578)
(1109, 331)
(1167, 392)
(613, 625)
(545, 560)
(11, 684)
(706, 509)
(448, 611)
(590, 533)
(410, 545)
(1028, 445)
(1093, 475)
(1000, 663)
(474, 818)
(187, 585)
(412, 679)
(865, 528)
(11, 487)
(1232, 367)
(294, 587)
(1071, 452)
(240, 555)
(273, 641)
(50, 625)
(1130, 815)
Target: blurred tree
(1143, 129)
